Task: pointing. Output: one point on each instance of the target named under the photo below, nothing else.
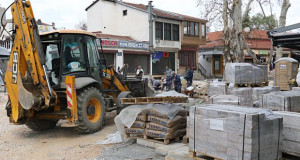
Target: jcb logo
(15, 67)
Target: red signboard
(109, 43)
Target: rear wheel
(91, 110)
(40, 124)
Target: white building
(126, 19)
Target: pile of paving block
(160, 122)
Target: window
(203, 30)
(175, 32)
(92, 53)
(187, 59)
(159, 30)
(191, 28)
(185, 29)
(125, 12)
(73, 54)
(196, 29)
(137, 60)
(167, 31)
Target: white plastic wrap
(257, 92)
(281, 101)
(225, 99)
(245, 95)
(216, 88)
(291, 132)
(234, 133)
(245, 73)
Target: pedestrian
(189, 76)
(177, 82)
(156, 84)
(139, 72)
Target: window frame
(189, 29)
(177, 32)
(203, 30)
(167, 31)
(161, 30)
(187, 59)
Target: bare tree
(81, 25)
(282, 21)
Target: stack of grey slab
(245, 95)
(245, 73)
(235, 133)
(257, 92)
(281, 101)
(291, 132)
(216, 88)
(225, 99)
(296, 89)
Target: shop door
(162, 59)
(217, 64)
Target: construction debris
(235, 133)
(291, 132)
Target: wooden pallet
(185, 139)
(201, 156)
(146, 100)
(162, 141)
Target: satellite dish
(247, 29)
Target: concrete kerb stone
(165, 149)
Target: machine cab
(71, 52)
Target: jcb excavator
(60, 75)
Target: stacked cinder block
(281, 101)
(291, 132)
(235, 133)
(245, 95)
(216, 88)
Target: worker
(156, 84)
(189, 76)
(68, 55)
(177, 82)
(139, 72)
(168, 72)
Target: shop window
(187, 59)
(191, 29)
(158, 30)
(167, 31)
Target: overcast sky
(67, 13)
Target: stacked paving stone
(291, 132)
(281, 101)
(257, 92)
(225, 99)
(245, 95)
(235, 133)
(216, 88)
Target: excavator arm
(26, 79)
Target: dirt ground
(19, 142)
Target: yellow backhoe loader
(60, 75)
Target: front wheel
(91, 110)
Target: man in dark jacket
(189, 77)
(177, 82)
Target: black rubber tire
(121, 106)
(41, 124)
(84, 124)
